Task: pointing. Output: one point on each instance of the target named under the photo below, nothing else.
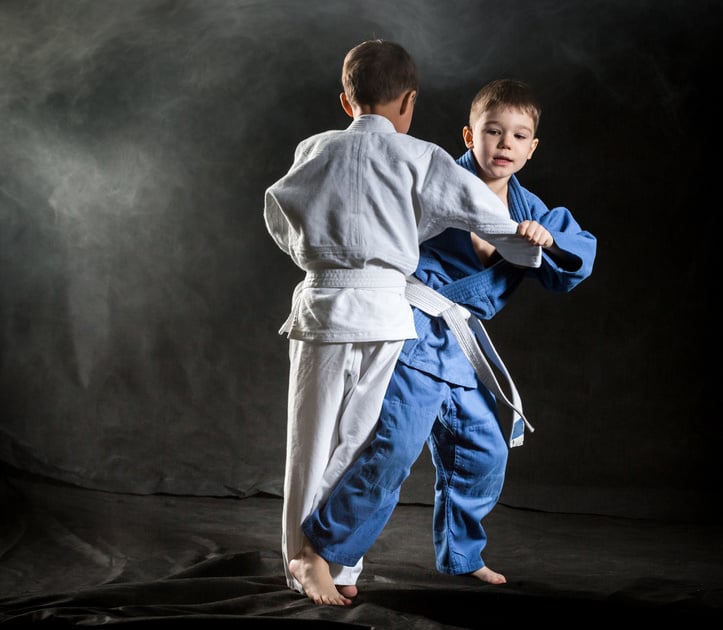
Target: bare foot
(488, 575)
(348, 590)
(312, 572)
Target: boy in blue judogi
(351, 212)
(434, 395)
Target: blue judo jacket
(449, 264)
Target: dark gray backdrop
(141, 295)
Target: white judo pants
(335, 397)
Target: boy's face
(502, 140)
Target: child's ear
(346, 105)
(408, 101)
(533, 146)
(468, 138)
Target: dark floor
(72, 556)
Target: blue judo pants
(469, 452)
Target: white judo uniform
(351, 212)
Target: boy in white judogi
(351, 212)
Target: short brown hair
(376, 72)
(506, 93)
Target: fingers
(535, 233)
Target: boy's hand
(535, 233)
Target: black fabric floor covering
(71, 556)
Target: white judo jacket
(351, 212)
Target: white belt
(475, 343)
(354, 278)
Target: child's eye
(520, 136)
(494, 132)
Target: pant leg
(344, 527)
(469, 452)
(335, 394)
(365, 388)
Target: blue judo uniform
(435, 397)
